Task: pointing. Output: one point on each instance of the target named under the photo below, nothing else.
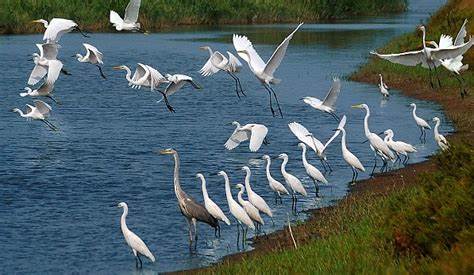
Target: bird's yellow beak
(166, 152)
(36, 21)
(117, 68)
(202, 48)
(358, 106)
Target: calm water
(56, 189)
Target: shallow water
(56, 189)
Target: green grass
(156, 14)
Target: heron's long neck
(343, 140)
(381, 80)
(177, 185)
(247, 182)
(204, 189)
(210, 51)
(239, 196)
(414, 111)
(436, 132)
(366, 123)
(303, 156)
(129, 74)
(123, 223)
(424, 38)
(20, 112)
(227, 190)
(268, 169)
(80, 58)
(283, 166)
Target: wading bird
(251, 210)
(176, 82)
(40, 111)
(46, 63)
(439, 138)
(237, 211)
(93, 56)
(263, 71)
(217, 62)
(57, 27)
(312, 171)
(255, 132)
(399, 147)
(293, 182)
(129, 21)
(427, 57)
(254, 198)
(45, 90)
(144, 75)
(133, 241)
(377, 144)
(421, 123)
(211, 206)
(275, 185)
(192, 210)
(327, 105)
(383, 87)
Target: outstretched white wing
(303, 135)
(445, 41)
(141, 74)
(178, 82)
(333, 93)
(115, 18)
(42, 107)
(209, 68)
(242, 43)
(37, 74)
(49, 50)
(453, 51)
(259, 132)
(131, 11)
(54, 69)
(94, 54)
(279, 53)
(341, 125)
(461, 34)
(412, 58)
(57, 27)
(234, 64)
(155, 77)
(236, 138)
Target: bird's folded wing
(243, 43)
(302, 134)
(236, 138)
(333, 93)
(131, 11)
(54, 69)
(412, 58)
(57, 27)
(234, 63)
(42, 107)
(461, 34)
(259, 132)
(37, 74)
(140, 77)
(115, 18)
(453, 51)
(156, 77)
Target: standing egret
(293, 182)
(312, 171)
(327, 105)
(251, 210)
(263, 71)
(211, 206)
(254, 198)
(439, 138)
(275, 185)
(46, 63)
(383, 87)
(134, 242)
(427, 57)
(377, 144)
(192, 210)
(40, 111)
(217, 62)
(129, 21)
(93, 56)
(255, 132)
(46, 90)
(399, 147)
(348, 157)
(421, 123)
(144, 75)
(236, 210)
(176, 82)
(57, 27)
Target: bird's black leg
(101, 72)
(327, 164)
(461, 86)
(353, 175)
(83, 34)
(336, 117)
(236, 84)
(238, 234)
(50, 125)
(436, 74)
(421, 134)
(375, 165)
(136, 262)
(240, 85)
(63, 71)
(277, 102)
(317, 188)
(170, 108)
(53, 99)
(140, 260)
(431, 80)
(270, 95)
(356, 175)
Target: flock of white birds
(47, 68)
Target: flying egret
(40, 111)
(93, 56)
(275, 185)
(347, 155)
(439, 138)
(129, 21)
(427, 57)
(377, 144)
(46, 90)
(251, 210)
(327, 105)
(192, 210)
(383, 87)
(46, 63)
(211, 206)
(176, 82)
(236, 210)
(144, 75)
(254, 198)
(312, 171)
(57, 27)
(293, 182)
(421, 123)
(133, 241)
(255, 132)
(399, 147)
(263, 71)
(217, 62)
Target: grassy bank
(419, 219)
(15, 15)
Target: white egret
(255, 132)
(251, 210)
(439, 138)
(176, 82)
(46, 63)
(377, 144)
(93, 56)
(236, 210)
(129, 21)
(312, 171)
(427, 57)
(383, 87)
(57, 27)
(133, 241)
(293, 182)
(399, 147)
(144, 75)
(263, 71)
(327, 105)
(40, 111)
(275, 185)
(217, 62)
(347, 155)
(421, 123)
(190, 208)
(46, 90)
(211, 206)
(254, 198)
